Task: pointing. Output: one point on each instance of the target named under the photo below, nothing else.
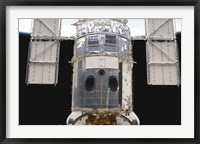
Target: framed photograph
(100, 72)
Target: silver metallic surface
(102, 92)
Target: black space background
(50, 105)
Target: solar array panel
(160, 28)
(161, 53)
(43, 57)
(46, 27)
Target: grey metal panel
(34, 74)
(43, 51)
(160, 28)
(43, 58)
(98, 97)
(43, 62)
(102, 62)
(41, 74)
(162, 63)
(46, 27)
(162, 54)
(36, 48)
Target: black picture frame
(5, 3)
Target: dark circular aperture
(89, 83)
(113, 84)
(101, 72)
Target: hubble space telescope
(102, 65)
